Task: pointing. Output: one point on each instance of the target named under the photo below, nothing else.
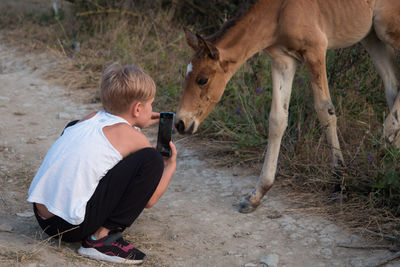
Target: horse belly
(343, 38)
(346, 22)
(340, 23)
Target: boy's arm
(169, 169)
(125, 139)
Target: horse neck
(253, 32)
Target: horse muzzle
(185, 128)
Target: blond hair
(122, 85)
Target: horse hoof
(246, 207)
(396, 141)
(391, 129)
(393, 137)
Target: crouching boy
(102, 172)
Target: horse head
(205, 81)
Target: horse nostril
(180, 126)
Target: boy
(101, 172)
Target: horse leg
(391, 126)
(316, 65)
(387, 29)
(384, 58)
(387, 23)
(283, 69)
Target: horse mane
(243, 9)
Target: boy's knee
(152, 164)
(153, 156)
(150, 157)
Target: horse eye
(202, 81)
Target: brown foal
(292, 32)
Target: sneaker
(111, 248)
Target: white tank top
(73, 167)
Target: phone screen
(165, 133)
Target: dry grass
(147, 40)
(15, 257)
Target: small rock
(180, 188)
(64, 116)
(270, 260)
(173, 236)
(273, 242)
(274, 214)
(308, 241)
(41, 137)
(230, 252)
(325, 252)
(226, 194)
(295, 236)
(357, 263)
(31, 141)
(75, 46)
(287, 220)
(5, 228)
(241, 234)
(25, 214)
(326, 240)
(290, 227)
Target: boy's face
(145, 113)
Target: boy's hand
(170, 162)
(155, 117)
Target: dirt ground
(195, 223)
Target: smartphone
(165, 133)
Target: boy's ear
(135, 108)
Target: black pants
(119, 198)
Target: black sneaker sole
(97, 255)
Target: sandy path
(194, 224)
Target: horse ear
(208, 47)
(191, 39)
